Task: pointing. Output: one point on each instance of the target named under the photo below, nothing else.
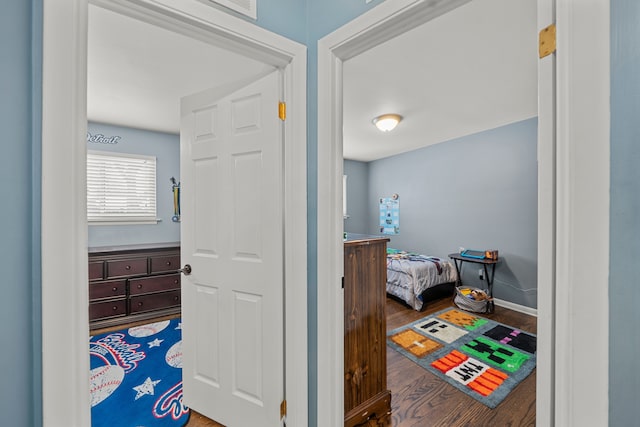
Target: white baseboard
(516, 307)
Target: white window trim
(123, 219)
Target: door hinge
(282, 110)
(547, 41)
(283, 409)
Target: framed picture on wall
(390, 215)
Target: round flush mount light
(387, 122)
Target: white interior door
(232, 237)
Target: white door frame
(573, 203)
(65, 322)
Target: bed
(415, 278)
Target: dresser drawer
(108, 289)
(161, 264)
(132, 283)
(126, 267)
(150, 302)
(106, 309)
(96, 270)
(145, 285)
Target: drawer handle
(128, 267)
(175, 282)
(114, 289)
(176, 298)
(139, 285)
(168, 263)
(139, 304)
(115, 308)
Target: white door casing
(582, 172)
(232, 302)
(64, 226)
(546, 153)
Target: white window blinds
(121, 187)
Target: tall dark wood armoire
(366, 398)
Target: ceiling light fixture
(387, 122)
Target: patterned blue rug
(136, 377)
(480, 357)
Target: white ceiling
(470, 70)
(138, 72)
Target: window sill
(127, 222)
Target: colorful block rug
(136, 377)
(483, 358)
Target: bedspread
(408, 275)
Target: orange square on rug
(415, 343)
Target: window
(121, 188)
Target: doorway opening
(443, 82)
(335, 52)
(64, 126)
(565, 121)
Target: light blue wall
(19, 226)
(478, 192)
(285, 17)
(624, 322)
(304, 21)
(357, 196)
(166, 148)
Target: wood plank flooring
(420, 399)
(198, 420)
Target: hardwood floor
(198, 420)
(420, 399)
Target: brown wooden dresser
(132, 283)
(366, 398)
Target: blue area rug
(136, 377)
(480, 357)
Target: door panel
(206, 236)
(206, 365)
(246, 226)
(232, 234)
(248, 346)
